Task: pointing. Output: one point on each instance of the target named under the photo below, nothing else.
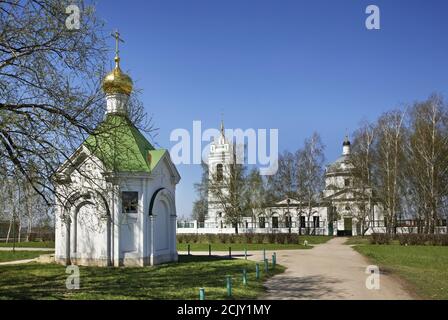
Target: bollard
(273, 261)
(264, 254)
(257, 271)
(188, 248)
(209, 250)
(230, 252)
(244, 277)
(266, 265)
(245, 253)
(229, 286)
(201, 294)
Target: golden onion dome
(117, 81)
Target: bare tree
(256, 194)
(362, 159)
(310, 174)
(284, 182)
(200, 206)
(427, 150)
(390, 159)
(50, 95)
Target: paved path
(329, 271)
(17, 262)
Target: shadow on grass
(168, 281)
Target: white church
(342, 208)
(116, 193)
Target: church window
(274, 222)
(219, 172)
(129, 201)
(288, 221)
(302, 222)
(316, 221)
(347, 182)
(262, 222)
(219, 214)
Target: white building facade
(342, 208)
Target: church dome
(117, 81)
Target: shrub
(259, 238)
(419, 239)
(380, 238)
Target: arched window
(219, 172)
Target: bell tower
(219, 160)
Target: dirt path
(8, 263)
(329, 271)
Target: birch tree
(427, 149)
(310, 174)
(283, 184)
(362, 158)
(390, 162)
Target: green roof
(122, 147)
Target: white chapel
(116, 193)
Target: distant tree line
(403, 158)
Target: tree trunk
(9, 231)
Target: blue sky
(298, 66)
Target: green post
(229, 286)
(230, 252)
(245, 253)
(273, 260)
(188, 246)
(244, 277)
(209, 250)
(266, 265)
(201, 294)
(257, 271)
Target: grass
(425, 268)
(203, 246)
(356, 240)
(6, 256)
(169, 281)
(31, 244)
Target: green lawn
(358, 240)
(19, 255)
(169, 281)
(31, 244)
(365, 240)
(424, 267)
(203, 246)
